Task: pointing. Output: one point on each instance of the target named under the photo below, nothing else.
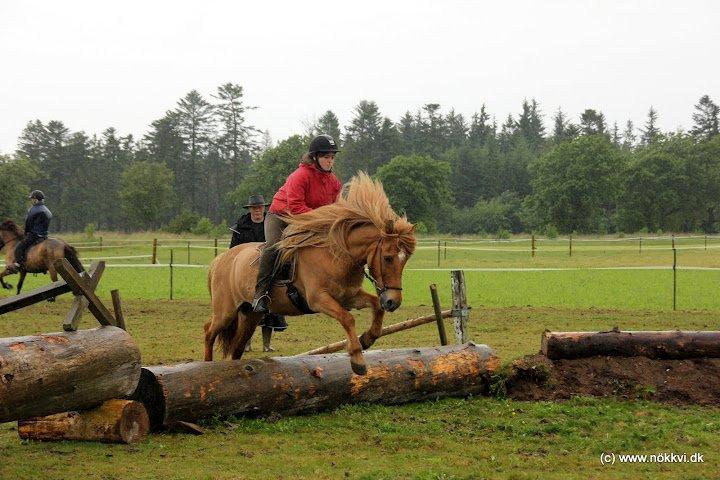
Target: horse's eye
(389, 258)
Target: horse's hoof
(7, 286)
(358, 368)
(365, 341)
(51, 300)
(268, 349)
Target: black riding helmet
(323, 144)
(37, 194)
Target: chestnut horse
(40, 257)
(331, 246)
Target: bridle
(380, 288)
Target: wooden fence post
(154, 252)
(571, 245)
(438, 314)
(674, 278)
(532, 245)
(460, 309)
(117, 307)
(216, 247)
(188, 256)
(171, 273)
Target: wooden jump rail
(82, 285)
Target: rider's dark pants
(274, 226)
(24, 245)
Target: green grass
(472, 438)
(453, 438)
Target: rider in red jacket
(312, 185)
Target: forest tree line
(197, 164)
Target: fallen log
(310, 383)
(115, 421)
(67, 371)
(660, 344)
(395, 327)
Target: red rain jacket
(307, 188)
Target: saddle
(284, 277)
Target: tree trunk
(115, 421)
(660, 344)
(62, 372)
(309, 383)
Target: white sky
(123, 64)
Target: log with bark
(115, 421)
(310, 383)
(67, 371)
(651, 344)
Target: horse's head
(8, 231)
(387, 261)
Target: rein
(380, 288)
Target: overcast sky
(123, 64)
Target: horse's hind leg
(21, 281)
(210, 336)
(246, 327)
(4, 284)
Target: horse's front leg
(365, 299)
(324, 303)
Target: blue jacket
(38, 220)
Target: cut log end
(115, 421)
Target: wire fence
(437, 254)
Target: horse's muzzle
(388, 304)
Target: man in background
(250, 227)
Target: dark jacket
(249, 231)
(38, 220)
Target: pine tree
(615, 135)
(236, 140)
(651, 133)
(457, 129)
(328, 124)
(706, 119)
(194, 117)
(629, 137)
(530, 125)
(480, 130)
(592, 122)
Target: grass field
(448, 439)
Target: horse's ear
(389, 226)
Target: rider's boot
(261, 302)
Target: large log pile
(653, 344)
(67, 371)
(308, 383)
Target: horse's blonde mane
(363, 203)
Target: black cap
(37, 194)
(256, 201)
(323, 144)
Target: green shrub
(90, 231)
(220, 230)
(551, 231)
(503, 234)
(421, 228)
(203, 227)
(184, 222)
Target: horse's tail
(226, 336)
(72, 257)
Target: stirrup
(262, 303)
